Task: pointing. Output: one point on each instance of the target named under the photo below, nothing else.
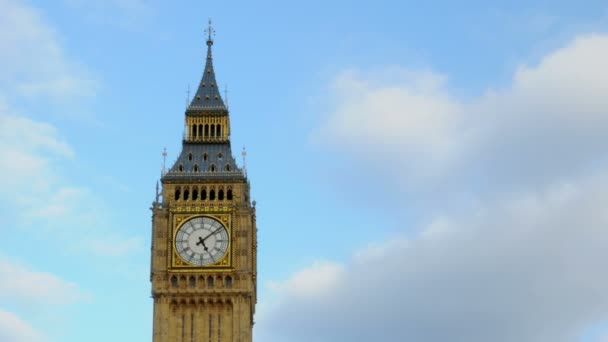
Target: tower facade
(203, 263)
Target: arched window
(228, 281)
(174, 281)
(227, 167)
(200, 130)
(194, 131)
(206, 130)
(190, 156)
(203, 194)
(212, 130)
(212, 168)
(219, 130)
(195, 168)
(186, 194)
(205, 156)
(212, 195)
(195, 194)
(177, 193)
(192, 281)
(180, 168)
(210, 281)
(229, 195)
(220, 195)
(220, 156)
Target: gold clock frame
(176, 264)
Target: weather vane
(210, 31)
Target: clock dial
(201, 241)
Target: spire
(208, 97)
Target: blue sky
(424, 172)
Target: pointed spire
(208, 97)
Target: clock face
(201, 241)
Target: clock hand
(206, 237)
(201, 241)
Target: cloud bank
(525, 261)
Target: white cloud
(397, 107)
(32, 62)
(25, 289)
(29, 154)
(33, 152)
(36, 135)
(530, 268)
(61, 204)
(523, 261)
(548, 124)
(23, 285)
(318, 279)
(14, 329)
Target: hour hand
(201, 241)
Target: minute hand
(206, 237)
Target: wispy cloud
(126, 14)
(14, 329)
(32, 61)
(34, 152)
(29, 150)
(23, 288)
(22, 284)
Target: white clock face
(201, 241)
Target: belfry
(204, 235)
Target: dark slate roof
(207, 97)
(219, 155)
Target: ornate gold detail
(209, 209)
(183, 214)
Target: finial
(244, 154)
(226, 94)
(164, 161)
(210, 33)
(188, 96)
(157, 192)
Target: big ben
(203, 262)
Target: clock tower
(203, 262)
